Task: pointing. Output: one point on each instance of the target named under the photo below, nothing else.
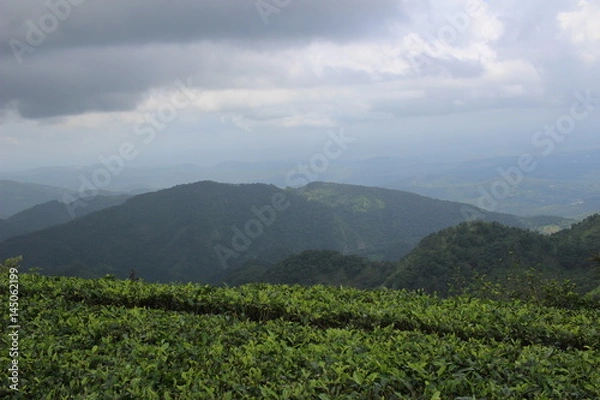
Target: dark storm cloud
(95, 22)
(75, 81)
(104, 55)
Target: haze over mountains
(259, 225)
(449, 260)
(19, 196)
(197, 231)
(564, 184)
(239, 232)
(323, 233)
(446, 146)
(54, 213)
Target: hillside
(171, 234)
(314, 267)
(565, 184)
(18, 196)
(452, 259)
(106, 338)
(490, 249)
(581, 241)
(409, 212)
(196, 232)
(7, 229)
(55, 213)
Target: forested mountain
(490, 249)
(581, 240)
(451, 259)
(18, 196)
(55, 213)
(196, 232)
(565, 184)
(314, 267)
(189, 232)
(7, 229)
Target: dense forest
(451, 261)
(476, 309)
(201, 231)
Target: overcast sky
(205, 81)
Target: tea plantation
(112, 339)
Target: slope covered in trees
(474, 249)
(19, 196)
(196, 232)
(474, 256)
(314, 267)
(54, 212)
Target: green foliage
(170, 235)
(312, 267)
(126, 339)
(461, 254)
(54, 212)
(524, 285)
(8, 264)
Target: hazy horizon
(216, 81)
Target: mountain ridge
(197, 231)
(53, 213)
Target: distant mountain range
(19, 196)
(202, 231)
(562, 184)
(53, 213)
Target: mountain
(314, 267)
(565, 184)
(54, 213)
(452, 257)
(408, 216)
(562, 184)
(195, 232)
(189, 232)
(19, 196)
(7, 229)
(581, 241)
(494, 250)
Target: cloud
(581, 25)
(315, 64)
(139, 22)
(105, 56)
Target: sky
(203, 82)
